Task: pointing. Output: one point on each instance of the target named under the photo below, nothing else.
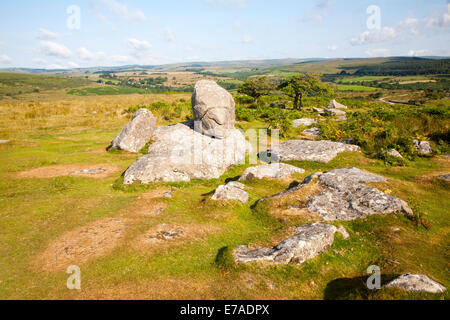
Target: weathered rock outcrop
(343, 196)
(232, 191)
(336, 105)
(313, 132)
(446, 177)
(303, 150)
(335, 112)
(422, 147)
(309, 241)
(214, 108)
(274, 170)
(389, 153)
(303, 122)
(416, 283)
(136, 134)
(179, 153)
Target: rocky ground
(176, 225)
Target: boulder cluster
(205, 147)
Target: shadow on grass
(353, 288)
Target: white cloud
(378, 52)
(169, 35)
(138, 45)
(246, 39)
(86, 55)
(54, 49)
(121, 59)
(123, 12)
(323, 4)
(72, 64)
(375, 36)
(332, 47)
(419, 53)
(40, 61)
(44, 34)
(227, 3)
(441, 20)
(5, 59)
(410, 24)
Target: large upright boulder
(135, 135)
(214, 109)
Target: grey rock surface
(89, 171)
(422, 147)
(416, 283)
(313, 133)
(309, 241)
(446, 177)
(303, 150)
(232, 191)
(214, 108)
(136, 134)
(335, 112)
(336, 105)
(318, 110)
(389, 153)
(303, 122)
(274, 170)
(179, 153)
(343, 232)
(344, 196)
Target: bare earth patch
(147, 204)
(81, 245)
(168, 235)
(100, 171)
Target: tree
(302, 85)
(256, 87)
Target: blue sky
(119, 32)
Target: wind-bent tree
(256, 87)
(302, 85)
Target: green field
(70, 122)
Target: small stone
(422, 147)
(336, 105)
(313, 132)
(416, 283)
(446, 177)
(335, 112)
(343, 232)
(274, 170)
(303, 122)
(169, 194)
(389, 153)
(318, 110)
(233, 191)
(89, 171)
(4, 141)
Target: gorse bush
(383, 128)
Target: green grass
(12, 84)
(355, 88)
(35, 212)
(106, 90)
